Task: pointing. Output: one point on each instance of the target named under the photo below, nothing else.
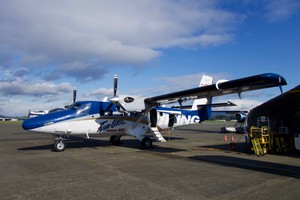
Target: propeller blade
(122, 107)
(115, 99)
(74, 94)
(115, 84)
(180, 102)
(108, 107)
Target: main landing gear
(59, 144)
(115, 139)
(146, 143)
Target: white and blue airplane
(142, 117)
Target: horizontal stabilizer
(228, 103)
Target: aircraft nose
(29, 124)
(26, 124)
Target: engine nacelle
(241, 117)
(133, 103)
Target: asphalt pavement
(194, 163)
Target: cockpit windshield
(75, 106)
(81, 108)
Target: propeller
(74, 94)
(115, 99)
(115, 85)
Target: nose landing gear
(59, 144)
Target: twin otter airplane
(142, 117)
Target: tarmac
(194, 163)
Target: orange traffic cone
(225, 137)
(232, 138)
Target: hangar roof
(286, 105)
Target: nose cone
(25, 125)
(30, 124)
(47, 119)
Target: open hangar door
(283, 113)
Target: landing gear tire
(115, 140)
(59, 145)
(146, 143)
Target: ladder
(257, 147)
(278, 148)
(157, 135)
(280, 144)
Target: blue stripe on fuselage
(47, 119)
(59, 116)
(204, 113)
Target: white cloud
(25, 88)
(53, 40)
(280, 10)
(12, 108)
(16, 107)
(204, 40)
(171, 84)
(100, 33)
(18, 96)
(98, 94)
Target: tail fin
(205, 80)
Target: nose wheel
(59, 145)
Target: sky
(49, 47)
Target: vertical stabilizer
(205, 80)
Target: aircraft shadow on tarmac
(236, 147)
(95, 143)
(199, 131)
(242, 147)
(70, 145)
(253, 165)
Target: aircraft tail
(201, 105)
(206, 80)
(185, 115)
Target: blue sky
(155, 47)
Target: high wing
(221, 88)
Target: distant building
(8, 119)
